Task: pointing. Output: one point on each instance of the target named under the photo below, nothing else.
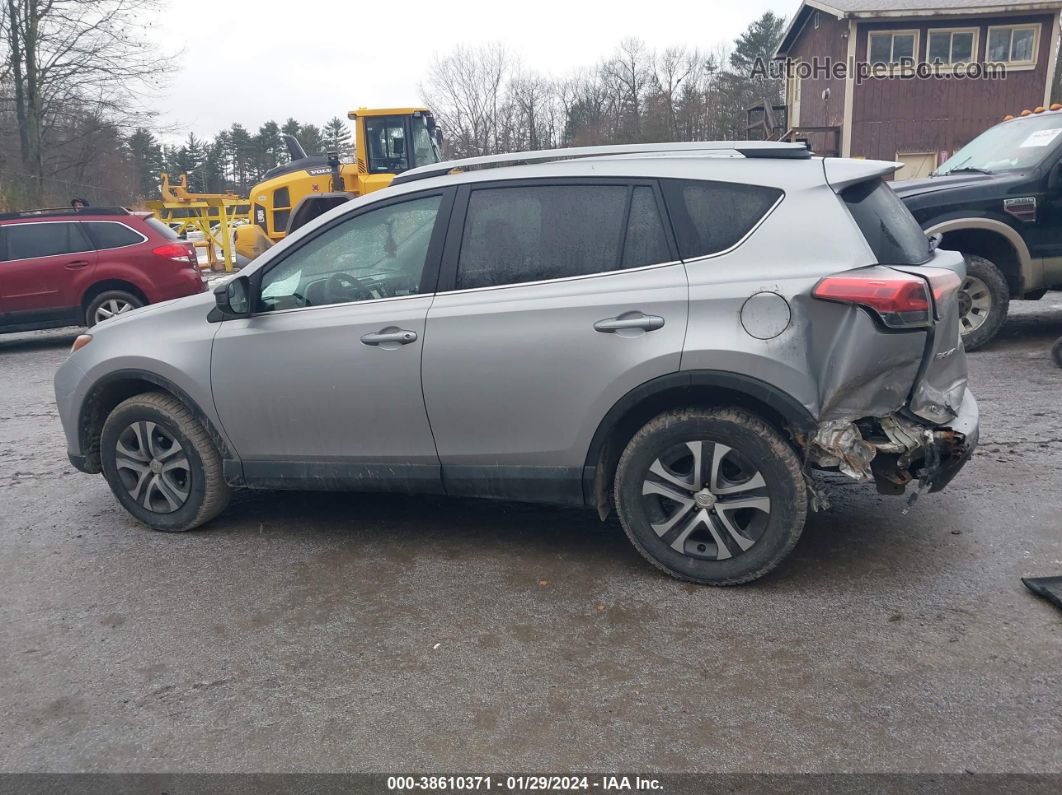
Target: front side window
(537, 233)
(378, 254)
(387, 144)
(425, 151)
(1013, 44)
(893, 47)
(951, 46)
(711, 217)
(109, 234)
(26, 241)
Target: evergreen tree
(241, 157)
(753, 51)
(268, 147)
(147, 162)
(291, 127)
(337, 137)
(311, 139)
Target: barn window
(952, 46)
(1014, 45)
(894, 47)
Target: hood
(908, 188)
(140, 321)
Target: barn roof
(878, 9)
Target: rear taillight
(181, 252)
(900, 300)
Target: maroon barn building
(898, 94)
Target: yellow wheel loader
(387, 142)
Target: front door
(321, 385)
(561, 299)
(45, 268)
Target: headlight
(80, 342)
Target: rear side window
(710, 217)
(109, 234)
(891, 231)
(535, 233)
(26, 241)
(162, 229)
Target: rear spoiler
(841, 172)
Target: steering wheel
(342, 287)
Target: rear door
(556, 299)
(46, 267)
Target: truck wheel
(712, 496)
(110, 304)
(983, 302)
(161, 464)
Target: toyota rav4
(681, 331)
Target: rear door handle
(390, 337)
(73, 265)
(629, 320)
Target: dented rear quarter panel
(831, 357)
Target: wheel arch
(681, 390)
(994, 240)
(112, 389)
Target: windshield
(1011, 146)
(387, 144)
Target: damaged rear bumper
(894, 450)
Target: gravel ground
(351, 633)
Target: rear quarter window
(890, 230)
(111, 234)
(160, 228)
(710, 217)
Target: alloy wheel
(706, 500)
(112, 308)
(975, 304)
(153, 467)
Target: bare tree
(67, 63)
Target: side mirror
(233, 298)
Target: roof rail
(773, 149)
(60, 211)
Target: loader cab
(393, 141)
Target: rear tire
(161, 463)
(110, 304)
(711, 496)
(984, 299)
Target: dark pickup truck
(998, 200)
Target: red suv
(72, 268)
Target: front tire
(984, 299)
(712, 496)
(161, 464)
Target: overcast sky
(270, 59)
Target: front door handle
(390, 337)
(629, 320)
(73, 265)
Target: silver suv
(680, 330)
